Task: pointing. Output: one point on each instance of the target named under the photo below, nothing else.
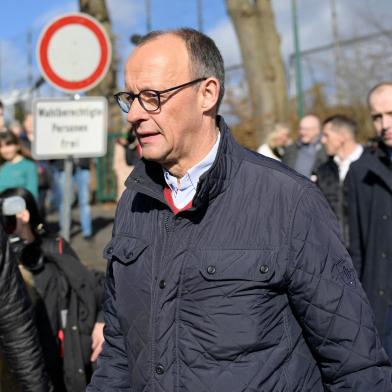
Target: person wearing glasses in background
(225, 268)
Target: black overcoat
(369, 184)
(251, 289)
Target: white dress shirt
(183, 190)
(344, 165)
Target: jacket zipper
(154, 305)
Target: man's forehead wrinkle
(381, 104)
(157, 71)
(383, 93)
(152, 77)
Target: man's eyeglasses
(150, 100)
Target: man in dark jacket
(18, 337)
(225, 270)
(339, 140)
(370, 210)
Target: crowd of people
(356, 180)
(52, 325)
(227, 270)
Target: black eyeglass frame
(157, 92)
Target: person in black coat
(67, 299)
(226, 270)
(19, 342)
(339, 133)
(370, 213)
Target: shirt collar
(191, 178)
(350, 158)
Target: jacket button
(162, 284)
(264, 269)
(385, 217)
(159, 369)
(110, 250)
(211, 269)
(383, 255)
(381, 292)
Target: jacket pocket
(238, 264)
(124, 249)
(233, 301)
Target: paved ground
(90, 252)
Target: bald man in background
(370, 213)
(307, 153)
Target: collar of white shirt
(184, 190)
(344, 165)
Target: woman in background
(15, 170)
(276, 142)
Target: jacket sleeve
(354, 224)
(330, 304)
(98, 278)
(18, 336)
(112, 373)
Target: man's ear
(210, 93)
(24, 216)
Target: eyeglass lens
(148, 99)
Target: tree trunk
(259, 41)
(108, 86)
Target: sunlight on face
(169, 135)
(381, 112)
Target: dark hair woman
(16, 170)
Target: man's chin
(150, 153)
(388, 142)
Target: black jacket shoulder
(18, 336)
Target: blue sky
(355, 17)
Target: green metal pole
(298, 67)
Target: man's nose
(386, 120)
(136, 112)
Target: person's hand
(97, 341)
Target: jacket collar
(381, 166)
(147, 177)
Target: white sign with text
(66, 127)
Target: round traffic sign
(74, 52)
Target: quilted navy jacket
(249, 290)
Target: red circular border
(43, 53)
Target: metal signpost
(74, 54)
